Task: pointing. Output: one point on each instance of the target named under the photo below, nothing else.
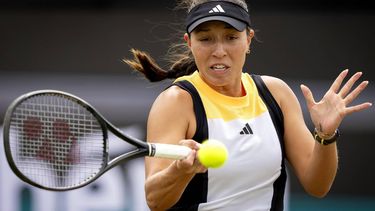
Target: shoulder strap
(196, 190)
(201, 133)
(278, 121)
(272, 105)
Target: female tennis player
(258, 118)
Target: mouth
(219, 67)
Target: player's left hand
(328, 113)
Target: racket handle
(170, 151)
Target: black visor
(227, 12)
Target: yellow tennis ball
(212, 154)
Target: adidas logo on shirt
(217, 8)
(246, 130)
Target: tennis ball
(212, 154)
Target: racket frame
(143, 148)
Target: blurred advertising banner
(121, 188)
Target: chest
(253, 146)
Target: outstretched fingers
(329, 111)
(357, 108)
(308, 96)
(349, 96)
(354, 94)
(349, 84)
(338, 81)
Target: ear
(187, 39)
(250, 36)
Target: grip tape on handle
(170, 151)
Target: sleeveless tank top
(251, 127)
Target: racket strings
(56, 142)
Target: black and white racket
(57, 141)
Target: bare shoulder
(278, 88)
(273, 82)
(171, 116)
(174, 97)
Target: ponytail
(145, 64)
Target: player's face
(219, 52)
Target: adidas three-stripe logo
(217, 8)
(246, 130)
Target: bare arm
(314, 164)
(171, 120)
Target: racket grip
(170, 151)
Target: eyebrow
(200, 29)
(206, 29)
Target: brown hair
(179, 55)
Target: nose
(219, 50)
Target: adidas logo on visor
(217, 8)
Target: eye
(232, 37)
(204, 39)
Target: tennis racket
(56, 141)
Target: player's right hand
(191, 163)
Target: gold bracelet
(326, 140)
